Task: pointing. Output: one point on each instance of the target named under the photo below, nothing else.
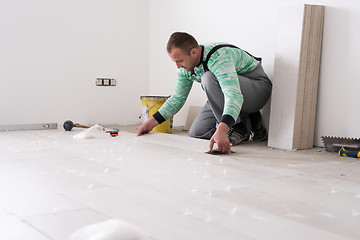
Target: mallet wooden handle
(81, 126)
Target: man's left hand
(221, 139)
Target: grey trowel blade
(334, 144)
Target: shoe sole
(243, 140)
(261, 139)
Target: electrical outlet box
(105, 82)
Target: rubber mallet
(68, 125)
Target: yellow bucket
(151, 104)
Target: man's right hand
(147, 126)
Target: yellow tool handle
(344, 152)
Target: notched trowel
(334, 144)
(215, 152)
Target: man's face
(183, 60)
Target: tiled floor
(52, 184)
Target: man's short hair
(182, 40)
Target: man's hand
(147, 126)
(221, 139)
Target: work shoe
(259, 134)
(238, 135)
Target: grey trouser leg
(204, 125)
(255, 87)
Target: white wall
(51, 53)
(339, 86)
(252, 25)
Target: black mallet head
(68, 125)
